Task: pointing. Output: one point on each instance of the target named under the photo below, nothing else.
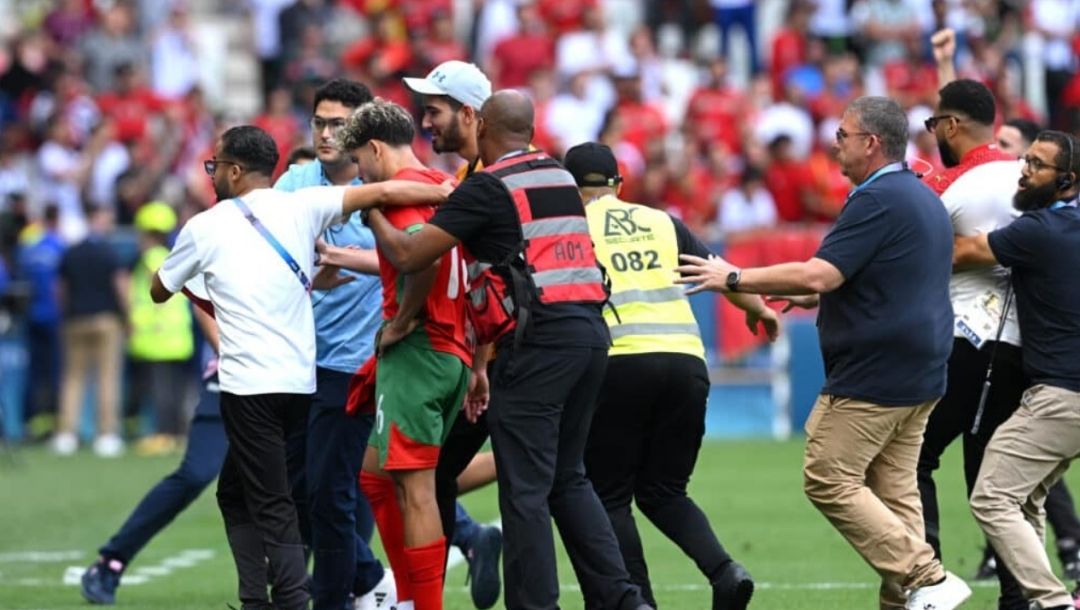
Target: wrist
(734, 277)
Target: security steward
(537, 294)
(650, 416)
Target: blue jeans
(335, 519)
(201, 464)
(744, 18)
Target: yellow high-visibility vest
(639, 247)
(159, 333)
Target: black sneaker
(1069, 554)
(733, 589)
(483, 558)
(100, 580)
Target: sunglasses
(931, 123)
(210, 165)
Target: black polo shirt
(1042, 248)
(886, 333)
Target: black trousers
(542, 404)
(462, 444)
(254, 494)
(643, 446)
(953, 417)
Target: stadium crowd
(110, 123)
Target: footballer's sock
(426, 569)
(382, 495)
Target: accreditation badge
(979, 320)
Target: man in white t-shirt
(256, 258)
(977, 188)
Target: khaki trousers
(859, 471)
(92, 342)
(1025, 457)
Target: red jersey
(444, 311)
(939, 182)
(716, 114)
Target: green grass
(749, 489)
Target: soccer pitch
(55, 512)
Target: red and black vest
(554, 262)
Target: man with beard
(453, 93)
(266, 339)
(976, 189)
(1031, 450)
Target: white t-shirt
(740, 213)
(980, 201)
(265, 323)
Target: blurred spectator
(631, 162)
(174, 62)
(440, 45)
(130, 105)
(911, 79)
(884, 27)
(841, 86)
(645, 125)
(565, 16)
(68, 22)
(160, 343)
(309, 61)
(595, 48)
(279, 121)
(14, 169)
(731, 13)
(694, 187)
(1015, 135)
(37, 262)
(541, 88)
(831, 23)
(531, 48)
(650, 68)
(788, 117)
(789, 44)
(69, 97)
(66, 172)
(715, 109)
(573, 117)
(93, 285)
(296, 20)
(266, 34)
(386, 45)
(748, 206)
(790, 183)
(26, 73)
(1057, 21)
(111, 44)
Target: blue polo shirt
(347, 317)
(38, 262)
(1042, 248)
(886, 333)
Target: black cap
(592, 164)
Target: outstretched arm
(944, 44)
(393, 192)
(972, 252)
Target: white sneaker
(108, 446)
(945, 595)
(382, 597)
(65, 443)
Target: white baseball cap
(460, 80)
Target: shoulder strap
(269, 237)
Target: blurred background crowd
(721, 111)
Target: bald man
(537, 292)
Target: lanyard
(888, 169)
(280, 249)
(1057, 205)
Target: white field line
(760, 586)
(41, 556)
(143, 574)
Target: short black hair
(350, 93)
(1068, 146)
(1029, 130)
(378, 120)
(970, 98)
(299, 153)
(251, 147)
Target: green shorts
(418, 392)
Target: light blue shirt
(347, 317)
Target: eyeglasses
(931, 123)
(318, 124)
(842, 135)
(1036, 164)
(210, 165)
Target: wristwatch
(733, 279)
